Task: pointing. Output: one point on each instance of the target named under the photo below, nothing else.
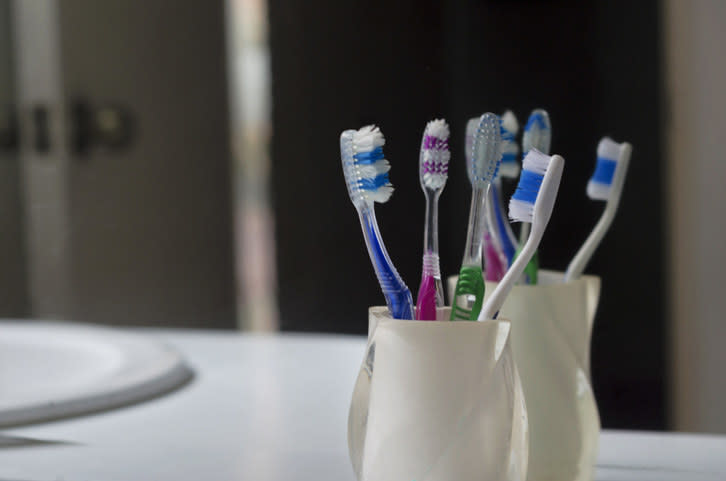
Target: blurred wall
(695, 36)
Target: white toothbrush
(532, 202)
(605, 184)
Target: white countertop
(271, 408)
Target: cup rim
(382, 314)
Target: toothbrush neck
(475, 233)
(431, 229)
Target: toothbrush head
(486, 150)
(471, 127)
(435, 155)
(364, 167)
(510, 151)
(537, 189)
(537, 132)
(612, 158)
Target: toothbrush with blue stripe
(483, 164)
(605, 184)
(537, 135)
(366, 176)
(509, 168)
(532, 202)
(433, 172)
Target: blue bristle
(604, 171)
(535, 120)
(370, 157)
(509, 157)
(528, 187)
(374, 183)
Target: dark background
(595, 66)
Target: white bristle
(510, 148)
(373, 170)
(381, 195)
(509, 170)
(354, 142)
(535, 162)
(509, 122)
(606, 149)
(537, 132)
(434, 160)
(368, 138)
(438, 128)
(486, 149)
(598, 191)
(471, 126)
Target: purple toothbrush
(433, 172)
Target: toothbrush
(433, 172)
(532, 202)
(537, 135)
(483, 164)
(509, 168)
(493, 255)
(606, 184)
(366, 175)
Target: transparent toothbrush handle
(431, 291)
(508, 240)
(398, 296)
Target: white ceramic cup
(551, 331)
(437, 401)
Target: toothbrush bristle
(521, 205)
(486, 151)
(599, 186)
(471, 127)
(509, 167)
(435, 155)
(364, 166)
(537, 132)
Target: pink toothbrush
(433, 172)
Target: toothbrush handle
(469, 292)
(426, 299)
(431, 291)
(583, 256)
(508, 240)
(531, 271)
(398, 297)
(495, 301)
(579, 262)
(493, 261)
(468, 295)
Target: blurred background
(176, 163)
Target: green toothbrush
(482, 165)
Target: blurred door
(13, 299)
(126, 161)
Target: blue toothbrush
(366, 176)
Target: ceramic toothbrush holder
(551, 331)
(437, 401)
